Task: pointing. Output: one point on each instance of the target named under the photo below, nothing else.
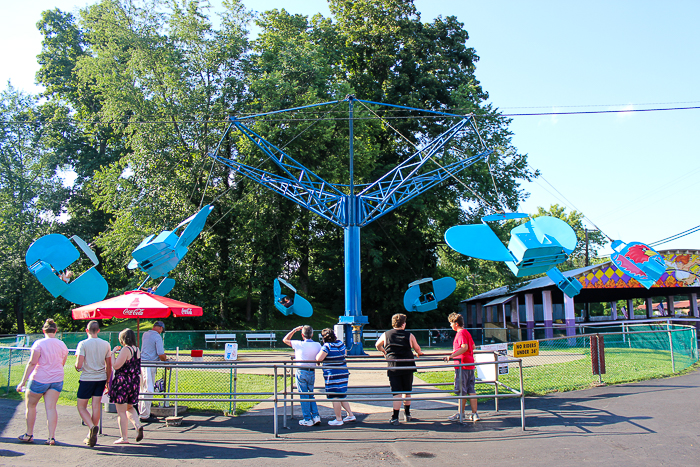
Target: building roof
(539, 283)
(500, 300)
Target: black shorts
(89, 389)
(401, 383)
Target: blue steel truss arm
(300, 184)
(310, 195)
(375, 204)
(404, 182)
(436, 112)
(274, 112)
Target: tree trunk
(19, 311)
(249, 296)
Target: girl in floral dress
(124, 387)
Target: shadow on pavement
(199, 450)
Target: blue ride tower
(340, 204)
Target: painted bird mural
(639, 261)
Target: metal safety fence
(283, 395)
(272, 339)
(245, 339)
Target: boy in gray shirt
(95, 367)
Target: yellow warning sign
(526, 349)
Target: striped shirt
(335, 370)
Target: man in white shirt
(95, 367)
(305, 351)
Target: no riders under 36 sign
(526, 349)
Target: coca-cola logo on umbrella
(136, 312)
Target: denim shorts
(41, 388)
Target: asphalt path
(652, 423)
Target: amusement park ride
(536, 246)
(342, 205)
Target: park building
(609, 299)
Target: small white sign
(502, 351)
(231, 351)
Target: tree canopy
(138, 94)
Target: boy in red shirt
(463, 347)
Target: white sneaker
(454, 418)
(306, 422)
(475, 417)
(350, 418)
(317, 420)
(335, 422)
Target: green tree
(31, 198)
(138, 96)
(166, 78)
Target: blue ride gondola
(535, 246)
(424, 294)
(290, 303)
(49, 258)
(157, 255)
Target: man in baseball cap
(151, 351)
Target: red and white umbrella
(136, 304)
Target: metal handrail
(286, 394)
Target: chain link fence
(246, 339)
(639, 352)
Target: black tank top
(398, 347)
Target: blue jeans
(305, 383)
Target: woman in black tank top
(398, 344)
(398, 347)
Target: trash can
(197, 355)
(107, 406)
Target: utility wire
(267, 119)
(676, 236)
(572, 205)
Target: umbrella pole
(177, 373)
(138, 325)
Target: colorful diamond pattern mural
(682, 270)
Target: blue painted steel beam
(312, 196)
(385, 199)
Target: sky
(635, 174)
